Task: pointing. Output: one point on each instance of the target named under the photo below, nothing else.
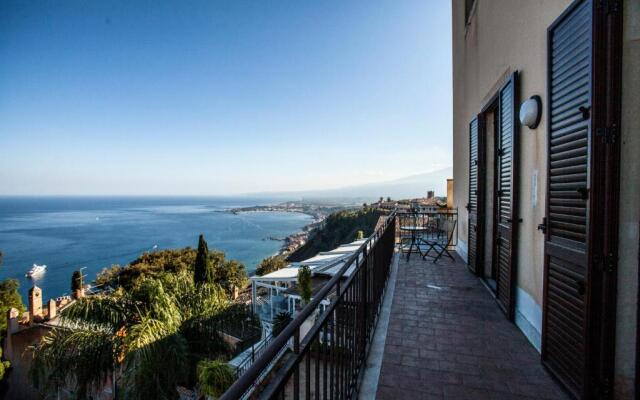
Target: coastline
(294, 241)
(319, 212)
(125, 229)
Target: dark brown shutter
(506, 204)
(474, 206)
(566, 325)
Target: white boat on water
(35, 270)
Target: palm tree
(141, 338)
(214, 377)
(280, 321)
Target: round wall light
(531, 112)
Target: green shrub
(304, 283)
(271, 264)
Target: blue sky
(189, 97)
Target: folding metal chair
(447, 224)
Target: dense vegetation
(280, 321)
(226, 273)
(157, 329)
(271, 264)
(9, 298)
(150, 338)
(76, 281)
(304, 283)
(339, 228)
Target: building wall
(629, 203)
(19, 383)
(504, 36)
(507, 35)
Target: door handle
(585, 111)
(583, 192)
(543, 226)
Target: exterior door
(581, 211)
(476, 195)
(566, 320)
(506, 202)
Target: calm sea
(67, 233)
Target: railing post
(296, 373)
(365, 277)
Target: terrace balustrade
(323, 350)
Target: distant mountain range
(408, 187)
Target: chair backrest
(446, 224)
(452, 224)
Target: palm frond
(108, 311)
(80, 358)
(156, 362)
(214, 377)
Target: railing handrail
(248, 378)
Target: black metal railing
(321, 354)
(254, 352)
(431, 231)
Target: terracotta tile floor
(447, 339)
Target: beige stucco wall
(629, 202)
(508, 35)
(512, 36)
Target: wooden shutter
(506, 203)
(474, 207)
(566, 323)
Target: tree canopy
(147, 337)
(4, 365)
(280, 321)
(76, 281)
(9, 298)
(304, 283)
(203, 271)
(214, 377)
(339, 228)
(271, 264)
(227, 273)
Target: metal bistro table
(416, 238)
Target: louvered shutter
(506, 206)
(564, 337)
(475, 198)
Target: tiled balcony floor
(447, 339)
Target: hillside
(339, 228)
(404, 188)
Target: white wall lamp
(531, 112)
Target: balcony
(397, 328)
(446, 338)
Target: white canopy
(288, 274)
(325, 263)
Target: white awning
(288, 274)
(331, 271)
(325, 263)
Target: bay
(67, 233)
